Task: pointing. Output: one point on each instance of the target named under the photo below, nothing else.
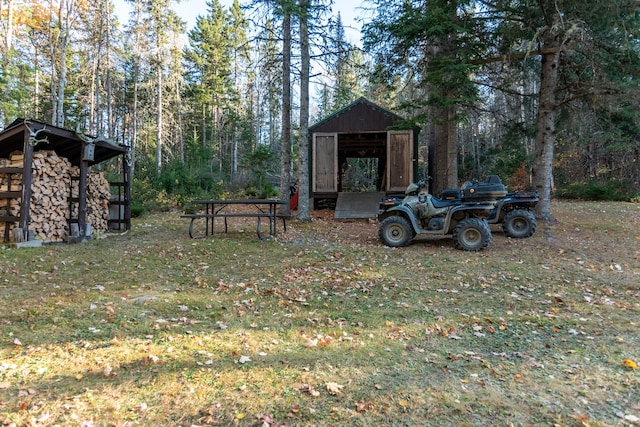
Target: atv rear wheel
(395, 231)
(519, 223)
(472, 234)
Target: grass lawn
(325, 326)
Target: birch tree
(61, 37)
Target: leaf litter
(537, 331)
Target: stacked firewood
(11, 182)
(51, 187)
(49, 196)
(98, 194)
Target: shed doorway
(361, 174)
(362, 160)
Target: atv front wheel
(395, 231)
(519, 223)
(472, 234)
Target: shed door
(325, 162)
(399, 160)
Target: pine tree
(209, 59)
(585, 52)
(431, 44)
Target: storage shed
(47, 188)
(360, 130)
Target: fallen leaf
(334, 388)
(310, 343)
(363, 406)
(307, 388)
(630, 363)
(107, 371)
(267, 419)
(325, 341)
(583, 419)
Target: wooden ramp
(358, 205)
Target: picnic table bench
(212, 209)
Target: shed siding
(399, 160)
(325, 163)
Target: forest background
(544, 93)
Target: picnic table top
(241, 201)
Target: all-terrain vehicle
(514, 211)
(421, 213)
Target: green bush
(265, 191)
(260, 163)
(176, 186)
(179, 183)
(593, 189)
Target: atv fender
(496, 212)
(406, 212)
(485, 207)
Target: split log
(51, 189)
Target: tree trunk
(303, 168)
(9, 35)
(443, 160)
(109, 101)
(7, 48)
(136, 88)
(54, 65)
(64, 44)
(285, 149)
(542, 171)
(181, 147)
(159, 118)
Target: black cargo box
(451, 194)
(484, 191)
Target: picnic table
(259, 209)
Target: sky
(189, 10)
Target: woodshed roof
(361, 115)
(64, 142)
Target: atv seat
(439, 203)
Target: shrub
(593, 189)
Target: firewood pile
(98, 194)
(51, 188)
(10, 207)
